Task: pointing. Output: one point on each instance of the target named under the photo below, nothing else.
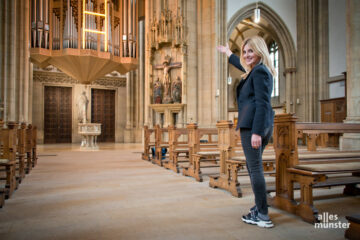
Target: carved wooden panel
(333, 110)
(103, 111)
(57, 114)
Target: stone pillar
(128, 134)
(193, 53)
(222, 60)
(9, 52)
(140, 91)
(290, 92)
(14, 60)
(141, 75)
(312, 60)
(352, 141)
(2, 51)
(147, 110)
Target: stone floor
(113, 194)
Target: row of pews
(294, 166)
(17, 156)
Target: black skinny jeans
(255, 167)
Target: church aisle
(113, 194)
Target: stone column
(9, 52)
(140, 91)
(128, 100)
(128, 133)
(193, 53)
(312, 59)
(14, 60)
(141, 75)
(222, 60)
(290, 94)
(352, 141)
(2, 51)
(147, 51)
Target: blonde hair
(258, 45)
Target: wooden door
(57, 114)
(103, 111)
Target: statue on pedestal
(157, 88)
(178, 29)
(176, 89)
(154, 33)
(82, 107)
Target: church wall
(52, 77)
(337, 37)
(193, 58)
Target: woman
(255, 117)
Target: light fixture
(257, 14)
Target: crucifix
(167, 66)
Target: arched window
(274, 55)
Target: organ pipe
(91, 26)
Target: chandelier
(85, 39)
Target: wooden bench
(21, 140)
(311, 175)
(313, 131)
(8, 138)
(149, 142)
(353, 232)
(2, 190)
(29, 148)
(178, 145)
(201, 150)
(34, 146)
(161, 142)
(232, 160)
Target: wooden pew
(178, 144)
(201, 151)
(34, 156)
(29, 148)
(161, 141)
(232, 160)
(228, 173)
(313, 131)
(310, 175)
(149, 142)
(8, 156)
(21, 136)
(2, 190)
(353, 232)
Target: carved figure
(179, 29)
(176, 88)
(166, 66)
(82, 107)
(163, 24)
(157, 92)
(154, 31)
(168, 24)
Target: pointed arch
(280, 31)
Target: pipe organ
(86, 39)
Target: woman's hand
(225, 49)
(255, 141)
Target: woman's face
(249, 56)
